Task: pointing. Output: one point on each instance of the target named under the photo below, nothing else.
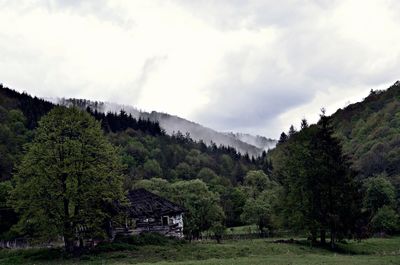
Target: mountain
(261, 142)
(147, 153)
(370, 133)
(243, 143)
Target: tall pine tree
(320, 194)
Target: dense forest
(370, 133)
(364, 159)
(334, 179)
(144, 149)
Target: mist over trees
(320, 179)
(145, 152)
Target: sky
(232, 65)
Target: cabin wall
(174, 228)
(178, 221)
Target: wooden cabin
(148, 212)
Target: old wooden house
(148, 212)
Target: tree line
(65, 177)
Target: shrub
(113, 246)
(385, 220)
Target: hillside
(145, 149)
(261, 142)
(370, 133)
(243, 143)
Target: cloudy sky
(251, 66)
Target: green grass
(260, 251)
(242, 229)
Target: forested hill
(145, 148)
(370, 133)
(243, 143)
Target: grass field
(260, 251)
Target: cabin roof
(147, 204)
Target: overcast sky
(232, 65)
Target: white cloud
(255, 66)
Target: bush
(219, 231)
(114, 246)
(385, 220)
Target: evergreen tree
(319, 190)
(283, 138)
(304, 124)
(292, 131)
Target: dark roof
(147, 204)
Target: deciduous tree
(69, 179)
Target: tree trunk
(68, 237)
(313, 237)
(323, 237)
(332, 239)
(68, 228)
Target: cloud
(255, 14)
(254, 66)
(320, 53)
(249, 95)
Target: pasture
(260, 251)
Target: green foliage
(233, 200)
(219, 230)
(183, 171)
(156, 185)
(202, 205)
(216, 183)
(378, 193)
(369, 131)
(151, 169)
(256, 182)
(257, 211)
(207, 175)
(69, 178)
(386, 220)
(262, 198)
(13, 135)
(144, 149)
(7, 216)
(319, 191)
(113, 246)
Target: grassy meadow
(260, 251)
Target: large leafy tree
(380, 203)
(262, 197)
(378, 193)
(202, 205)
(69, 179)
